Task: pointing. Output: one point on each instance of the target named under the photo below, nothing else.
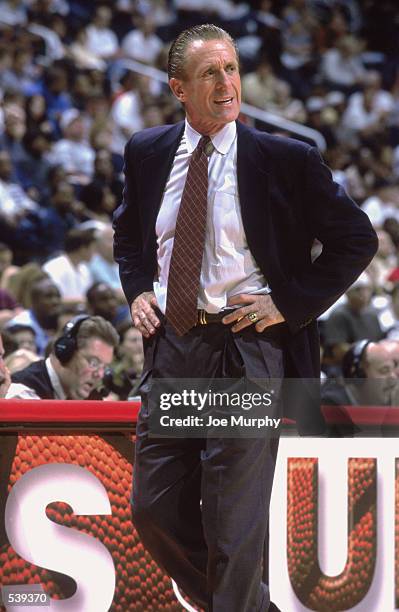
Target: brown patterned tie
(188, 246)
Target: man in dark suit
(256, 294)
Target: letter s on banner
(42, 542)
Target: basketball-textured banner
(66, 532)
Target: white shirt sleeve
(20, 391)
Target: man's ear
(177, 88)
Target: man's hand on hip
(258, 310)
(143, 315)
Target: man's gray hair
(178, 50)
(97, 327)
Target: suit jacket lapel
(154, 171)
(253, 189)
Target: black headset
(66, 345)
(351, 363)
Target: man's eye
(231, 68)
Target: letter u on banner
(316, 590)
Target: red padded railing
(71, 411)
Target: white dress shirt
(228, 267)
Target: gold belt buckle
(202, 317)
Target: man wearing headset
(370, 376)
(75, 367)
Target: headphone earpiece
(351, 363)
(66, 345)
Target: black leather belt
(204, 318)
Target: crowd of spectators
(69, 102)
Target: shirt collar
(55, 381)
(222, 140)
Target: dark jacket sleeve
(349, 244)
(128, 243)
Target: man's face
(380, 363)
(132, 347)
(63, 197)
(380, 369)
(211, 87)
(26, 340)
(85, 371)
(359, 297)
(105, 303)
(47, 302)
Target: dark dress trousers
(287, 199)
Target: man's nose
(222, 77)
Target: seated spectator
(70, 271)
(23, 74)
(45, 27)
(99, 200)
(315, 105)
(80, 53)
(12, 136)
(368, 110)
(36, 114)
(352, 321)
(72, 151)
(142, 43)
(342, 67)
(102, 265)
(75, 367)
(261, 88)
(384, 262)
(126, 113)
(33, 167)
(102, 301)
(104, 174)
(55, 91)
(13, 13)
(42, 233)
(269, 28)
(382, 205)
(42, 316)
(101, 40)
(285, 105)
(298, 32)
(15, 203)
(24, 337)
(369, 378)
(131, 348)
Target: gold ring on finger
(253, 317)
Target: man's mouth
(224, 101)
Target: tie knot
(205, 145)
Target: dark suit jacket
(287, 200)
